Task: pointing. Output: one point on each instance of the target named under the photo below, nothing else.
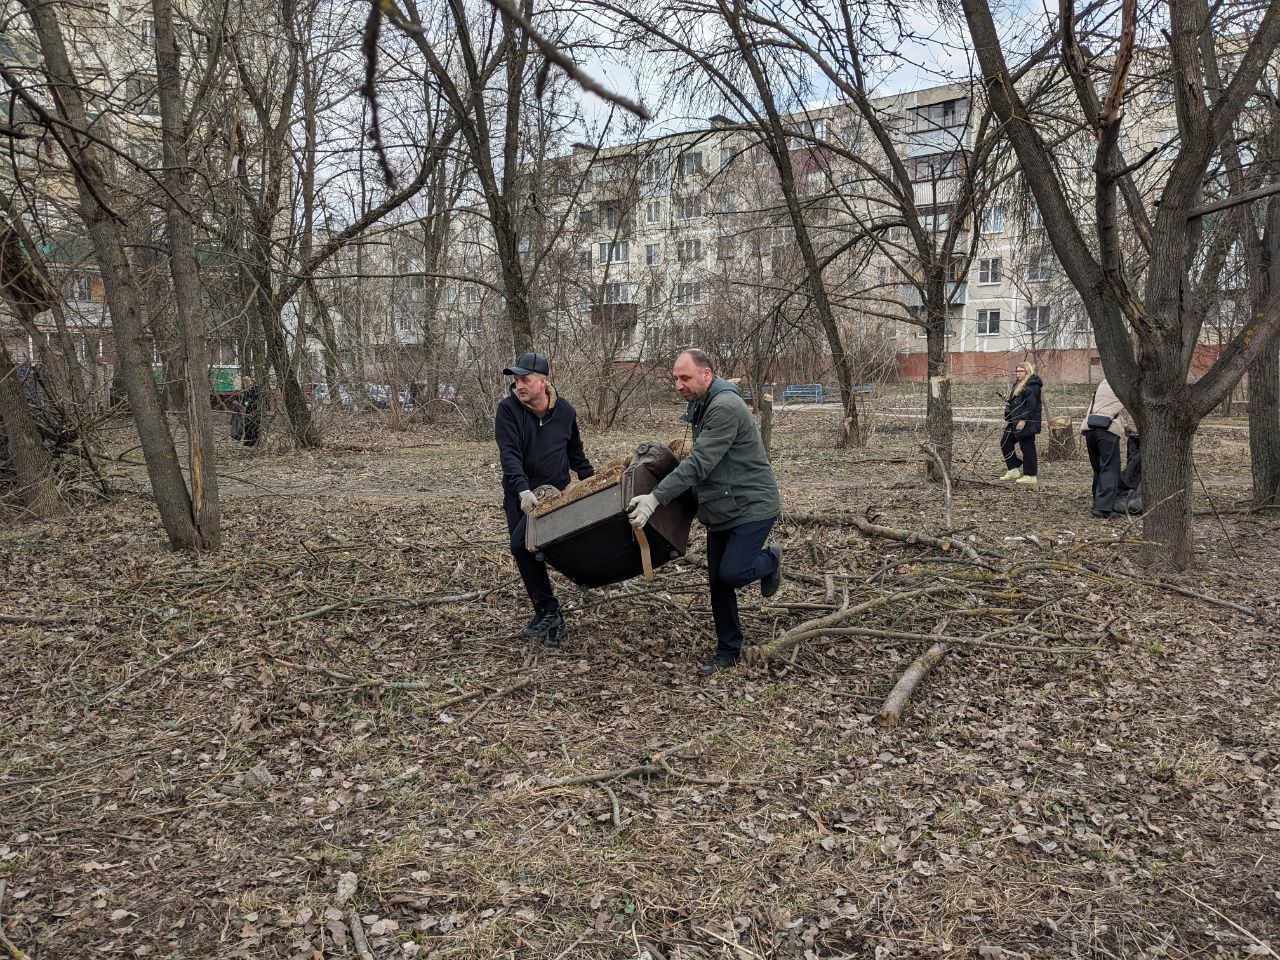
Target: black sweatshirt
(538, 449)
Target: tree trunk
(1264, 428)
(93, 187)
(27, 452)
(939, 427)
(188, 308)
(766, 420)
(1168, 435)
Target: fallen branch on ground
(816, 628)
(655, 764)
(888, 533)
(900, 695)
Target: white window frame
(992, 221)
(1039, 268)
(613, 252)
(989, 270)
(689, 251)
(653, 211)
(1042, 319)
(653, 254)
(985, 320)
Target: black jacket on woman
(1024, 406)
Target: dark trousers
(537, 583)
(735, 558)
(1131, 476)
(1027, 444)
(1104, 457)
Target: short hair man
(738, 500)
(538, 442)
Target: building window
(652, 295)
(653, 211)
(619, 293)
(605, 171)
(689, 251)
(727, 248)
(937, 166)
(655, 166)
(949, 113)
(992, 220)
(473, 294)
(988, 323)
(687, 293)
(812, 130)
(584, 259)
(989, 270)
(147, 32)
(79, 287)
(1034, 218)
(726, 156)
(1082, 323)
(652, 254)
(687, 208)
(613, 252)
(1037, 320)
(585, 217)
(690, 163)
(1040, 267)
(615, 218)
(726, 202)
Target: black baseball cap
(528, 363)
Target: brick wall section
(1054, 366)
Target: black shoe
(770, 584)
(1103, 516)
(1135, 505)
(721, 661)
(556, 631)
(536, 628)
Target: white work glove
(640, 509)
(528, 501)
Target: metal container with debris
(589, 539)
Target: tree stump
(1060, 441)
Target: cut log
(900, 695)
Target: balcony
(910, 296)
(930, 140)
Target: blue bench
(862, 389)
(802, 391)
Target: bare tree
(1147, 324)
(26, 293)
(180, 203)
(89, 153)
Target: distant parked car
(320, 395)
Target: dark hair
(699, 358)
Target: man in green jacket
(738, 501)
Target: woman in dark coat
(1021, 424)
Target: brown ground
(194, 752)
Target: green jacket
(728, 469)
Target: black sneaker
(1134, 506)
(723, 660)
(555, 631)
(769, 585)
(536, 628)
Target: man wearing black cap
(538, 443)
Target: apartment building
(684, 239)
